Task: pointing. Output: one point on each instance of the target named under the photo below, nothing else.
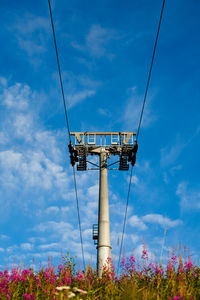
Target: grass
(141, 279)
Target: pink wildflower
(144, 254)
(123, 261)
(158, 270)
(174, 259)
(29, 297)
(151, 265)
(80, 275)
(188, 265)
(60, 267)
(170, 267)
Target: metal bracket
(95, 233)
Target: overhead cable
(138, 131)
(68, 128)
(148, 80)
(59, 70)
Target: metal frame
(122, 138)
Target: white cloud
(78, 87)
(161, 220)
(134, 238)
(175, 169)
(23, 124)
(36, 239)
(144, 167)
(63, 236)
(15, 96)
(87, 82)
(47, 254)
(49, 246)
(165, 178)
(189, 197)
(138, 251)
(135, 180)
(12, 249)
(26, 246)
(97, 38)
(78, 97)
(4, 237)
(132, 111)
(32, 157)
(104, 112)
(129, 238)
(60, 227)
(140, 222)
(171, 172)
(10, 159)
(93, 191)
(170, 154)
(96, 41)
(77, 46)
(32, 34)
(3, 81)
(89, 212)
(55, 210)
(87, 234)
(29, 23)
(31, 47)
(52, 210)
(47, 141)
(136, 222)
(65, 209)
(3, 138)
(32, 169)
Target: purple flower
(123, 261)
(158, 270)
(188, 265)
(80, 275)
(60, 267)
(174, 259)
(144, 254)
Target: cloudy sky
(105, 51)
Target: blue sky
(105, 51)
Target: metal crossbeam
(103, 138)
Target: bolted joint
(135, 147)
(72, 160)
(133, 160)
(123, 163)
(132, 154)
(81, 157)
(73, 154)
(124, 158)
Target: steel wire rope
(138, 131)
(68, 128)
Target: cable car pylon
(103, 144)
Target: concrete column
(103, 248)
